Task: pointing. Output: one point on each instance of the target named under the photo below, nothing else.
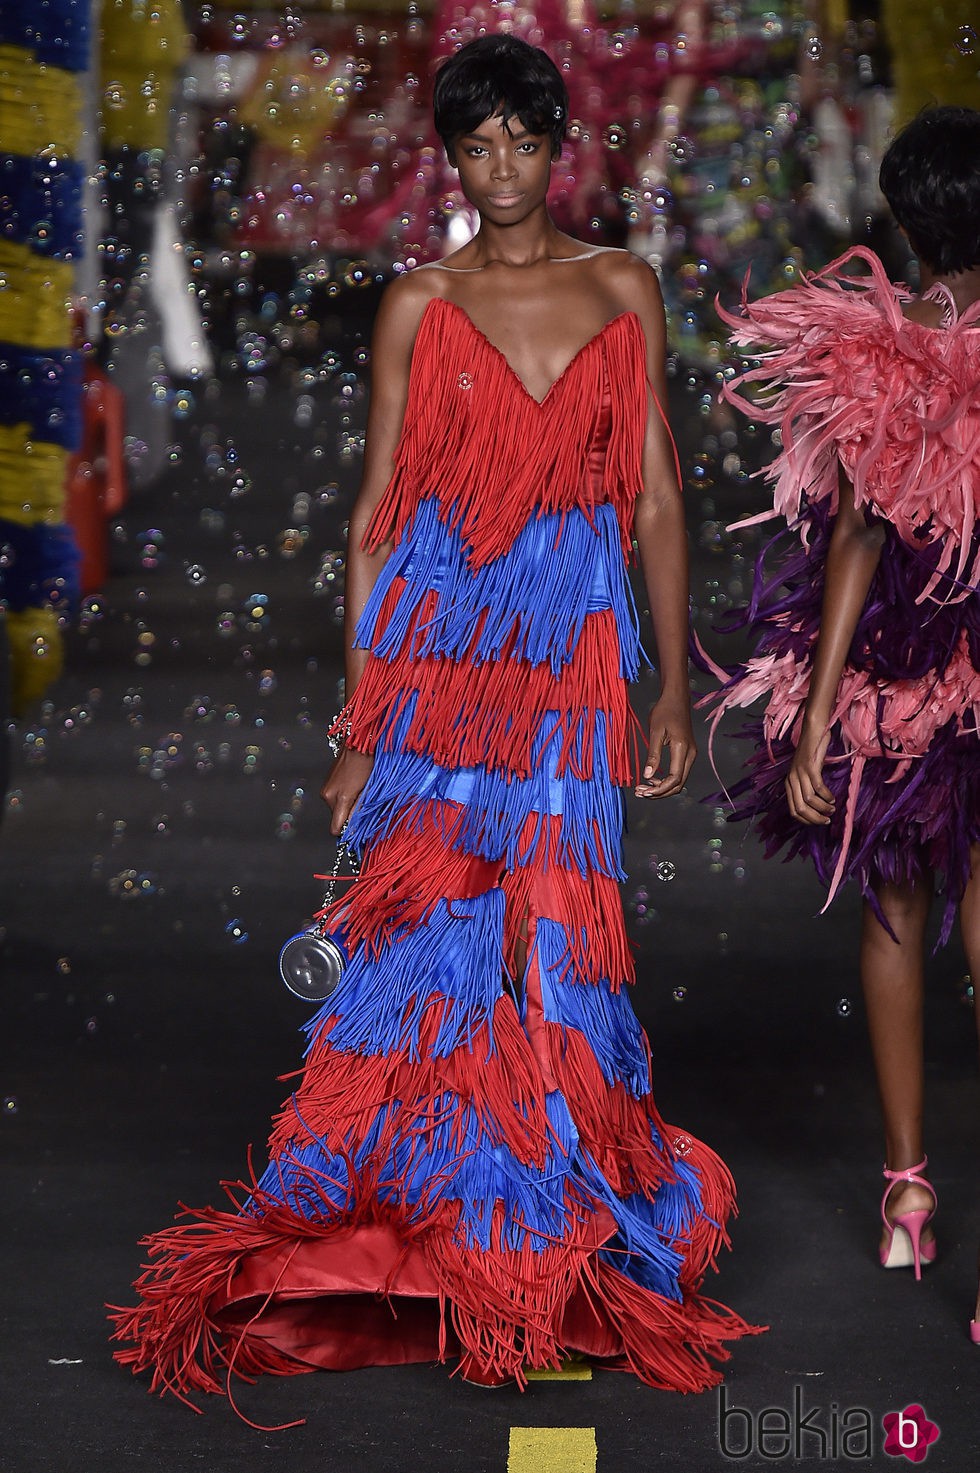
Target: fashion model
(472, 1168)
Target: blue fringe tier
(495, 808)
(561, 567)
(604, 1017)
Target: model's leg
(970, 926)
(892, 976)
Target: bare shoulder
(925, 313)
(630, 281)
(405, 300)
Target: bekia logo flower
(908, 1434)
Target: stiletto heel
(904, 1247)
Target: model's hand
(809, 798)
(670, 729)
(343, 786)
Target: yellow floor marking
(552, 1450)
(569, 1371)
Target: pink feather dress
(849, 380)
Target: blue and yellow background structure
(44, 52)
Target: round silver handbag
(312, 962)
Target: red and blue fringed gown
(470, 1166)
(849, 380)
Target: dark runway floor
(159, 843)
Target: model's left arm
(660, 535)
(852, 560)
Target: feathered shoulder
(850, 380)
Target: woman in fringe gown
(472, 1166)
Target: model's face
(504, 171)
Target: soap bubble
(255, 611)
(966, 40)
(679, 994)
(712, 536)
(358, 273)
(844, 1007)
(666, 870)
(291, 541)
(813, 48)
(236, 932)
(151, 543)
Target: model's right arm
(852, 557)
(393, 339)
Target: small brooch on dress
(465, 381)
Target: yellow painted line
(552, 1450)
(570, 1371)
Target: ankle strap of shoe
(908, 1174)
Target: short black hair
(500, 76)
(930, 176)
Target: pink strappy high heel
(905, 1246)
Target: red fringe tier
(466, 715)
(451, 441)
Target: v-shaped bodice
(557, 383)
(493, 455)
